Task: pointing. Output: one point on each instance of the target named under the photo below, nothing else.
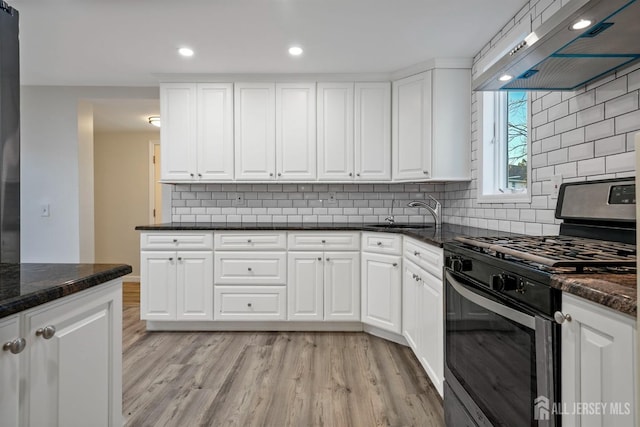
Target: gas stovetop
(550, 253)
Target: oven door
(500, 358)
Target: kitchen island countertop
(23, 286)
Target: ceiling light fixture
(295, 51)
(581, 24)
(185, 51)
(154, 120)
(505, 77)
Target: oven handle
(502, 310)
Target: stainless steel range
(501, 339)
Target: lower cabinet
(598, 365)
(250, 303)
(323, 286)
(176, 285)
(69, 373)
(381, 291)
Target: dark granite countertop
(431, 235)
(616, 291)
(24, 286)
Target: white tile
(551, 99)
(634, 80)
(565, 124)
(581, 152)
(550, 229)
(552, 143)
(573, 137)
(545, 172)
(557, 156)
(545, 216)
(539, 202)
(600, 130)
(517, 227)
(539, 160)
(558, 111)
(621, 105)
(591, 167)
(527, 215)
(533, 229)
(590, 115)
(628, 122)
(624, 162)
(582, 101)
(545, 131)
(612, 145)
(611, 90)
(513, 214)
(540, 118)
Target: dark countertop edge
(34, 299)
(590, 289)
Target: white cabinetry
(275, 131)
(176, 284)
(12, 345)
(381, 288)
(431, 126)
(422, 307)
(598, 364)
(196, 133)
(323, 284)
(354, 136)
(250, 276)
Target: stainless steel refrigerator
(9, 135)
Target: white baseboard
(389, 336)
(255, 326)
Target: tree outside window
(516, 140)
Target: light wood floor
(273, 379)
(130, 293)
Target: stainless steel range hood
(556, 57)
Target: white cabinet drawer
(251, 268)
(322, 240)
(250, 303)
(428, 257)
(177, 241)
(383, 243)
(249, 241)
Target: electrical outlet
(238, 200)
(331, 200)
(44, 209)
(556, 181)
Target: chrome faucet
(390, 220)
(436, 212)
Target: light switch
(556, 181)
(44, 209)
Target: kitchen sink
(409, 226)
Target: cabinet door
(74, 376)
(255, 136)
(296, 131)
(215, 131)
(194, 285)
(430, 328)
(598, 364)
(9, 372)
(411, 143)
(342, 286)
(410, 287)
(304, 285)
(178, 131)
(373, 131)
(381, 291)
(158, 285)
(335, 131)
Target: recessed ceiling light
(581, 24)
(505, 77)
(154, 120)
(295, 51)
(185, 51)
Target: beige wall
(121, 172)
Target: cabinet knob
(379, 243)
(199, 175)
(395, 264)
(16, 346)
(324, 241)
(47, 332)
(279, 174)
(179, 258)
(249, 269)
(418, 278)
(350, 173)
(248, 304)
(175, 240)
(271, 174)
(248, 240)
(191, 175)
(416, 253)
(319, 259)
(426, 173)
(170, 258)
(358, 174)
(560, 317)
(328, 259)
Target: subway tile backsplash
(289, 203)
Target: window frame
(492, 112)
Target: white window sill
(505, 198)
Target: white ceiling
(124, 115)
(124, 43)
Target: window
(504, 173)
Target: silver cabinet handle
(249, 269)
(175, 240)
(248, 304)
(560, 317)
(319, 259)
(379, 243)
(47, 332)
(16, 346)
(170, 258)
(350, 173)
(358, 174)
(279, 174)
(426, 172)
(248, 240)
(395, 264)
(191, 175)
(328, 259)
(270, 173)
(200, 175)
(179, 258)
(324, 241)
(418, 278)
(416, 253)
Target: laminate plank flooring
(273, 379)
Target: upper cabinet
(354, 131)
(431, 126)
(196, 133)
